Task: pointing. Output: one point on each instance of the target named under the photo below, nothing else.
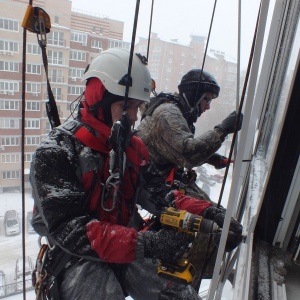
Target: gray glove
(218, 215)
(228, 124)
(233, 240)
(167, 245)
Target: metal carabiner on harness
(112, 182)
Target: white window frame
(77, 55)
(10, 174)
(32, 140)
(9, 123)
(10, 141)
(10, 158)
(9, 104)
(32, 123)
(9, 66)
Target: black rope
(23, 154)
(208, 37)
(150, 26)
(123, 134)
(129, 79)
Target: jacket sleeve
(61, 200)
(170, 137)
(190, 204)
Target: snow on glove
(233, 240)
(167, 245)
(218, 161)
(218, 215)
(228, 124)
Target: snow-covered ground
(11, 246)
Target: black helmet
(197, 82)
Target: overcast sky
(178, 19)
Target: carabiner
(106, 188)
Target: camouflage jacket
(170, 141)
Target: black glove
(167, 245)
(233, 240)
(228, 124)
(218, 215)
(218, 161)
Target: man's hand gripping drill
(182, 221)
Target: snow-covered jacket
(67, 177)
(170, 141)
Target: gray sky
(178, 19)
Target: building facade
(75, 38)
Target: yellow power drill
(182, 221)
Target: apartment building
(75, 38)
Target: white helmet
(111, 66)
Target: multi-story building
(75, 38)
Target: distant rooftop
(89, 13)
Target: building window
(118, 44)
(32, 123)
(75, 90)
(76, 73)
(9, 66)
(32, 87)
(48, 127)
(32, 140)
(56, 19)
(79, 38)
(9, 105)
(10, 158)
(55, 75)
(143, 49)
(6, 86)
(78, 55)
(10, 141)
(55, 57)
(97, 44)
(154, 73)
(6, 175)
(33, 69)
(156, 57)
(7, 123)
(56, 38)
(9, 25)
(32, 105)
(8, 47)
(28, 157)
(33, 49)
(57, 93)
